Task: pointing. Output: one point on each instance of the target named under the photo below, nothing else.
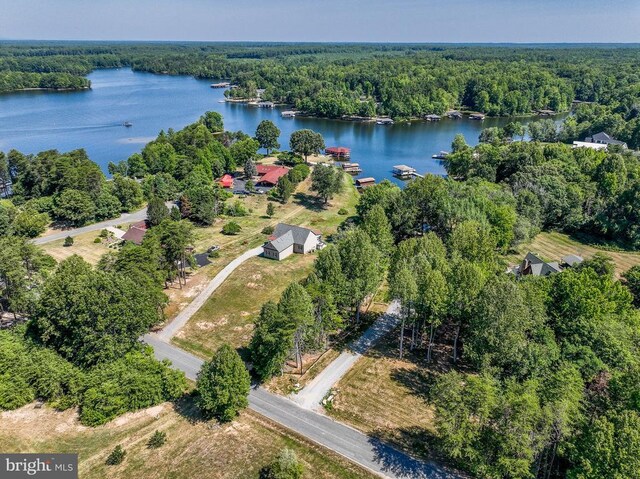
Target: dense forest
(399, 80)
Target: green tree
(157, 211)
(296, 309)
(213, 121)
(404, 289)
(271, 343)
(244, 150)
(157, 439)
(306, 142)
(284, 189)
(271, 210)
(75, 207)
(116, 456)
(107, 206)
(361, 264)
(231, 228)
(376, 224)
(90, 316)
(267, 135)
(223, 385)
(326, 181)
(128, 192)
(250, 169)
(30, 223)
(609, 447)
(632, 281)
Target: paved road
(366, 451)
(185, 315)
(313, 393)
(124, 218)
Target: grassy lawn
(83, 246)
(229, 313)
(387, 397)
(552, 246)
(193, 448)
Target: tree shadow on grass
(187, 408)
(309, 202)
(416, 380)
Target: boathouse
(403, 171)
(432, 117)
(365, 182)
(352, 168)
(338, 152)
(477, 116)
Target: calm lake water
(93, 120)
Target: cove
(94, 120)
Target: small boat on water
(441, 156)
(128, 124)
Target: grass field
(83, 246)
(228, 315)
(552, 246)
(387, 397)
(193, 449)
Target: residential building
(603, 138)
(270, 174)
(288, 239)
(136, 232)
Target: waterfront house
(288, 239)
(270, 174)
(603, 138)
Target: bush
(97, 240)
(343, 212)
(299, 173)
(285, 466)
(231, 228)
(104, 233)
(136, 381)
(157, 440)
(235, 209)
(68, 241)
(267, 230)
(116, 457)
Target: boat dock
(224, 84)
(405, 172)
(441, 156)
(365, 182)
(351, 168)
(384, 121)
(288, 114)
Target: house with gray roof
(604, 139)
(288, 239)
(535, 266)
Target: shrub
(271, 210)
(231, 228)
(68, 241)
(97, 240)
(104, 233)
(267, 230)
(157, 440)
(298, 173)
(285, 466)
(116, 457)
(343, 212)
(235, 209)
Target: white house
(288, 239)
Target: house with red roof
(136, 232)
(270, 174)
(226, 181)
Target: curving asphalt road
(123, 218)
(368, 452)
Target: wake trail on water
(65, 128)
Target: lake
(94, 120)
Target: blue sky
(324, 20)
